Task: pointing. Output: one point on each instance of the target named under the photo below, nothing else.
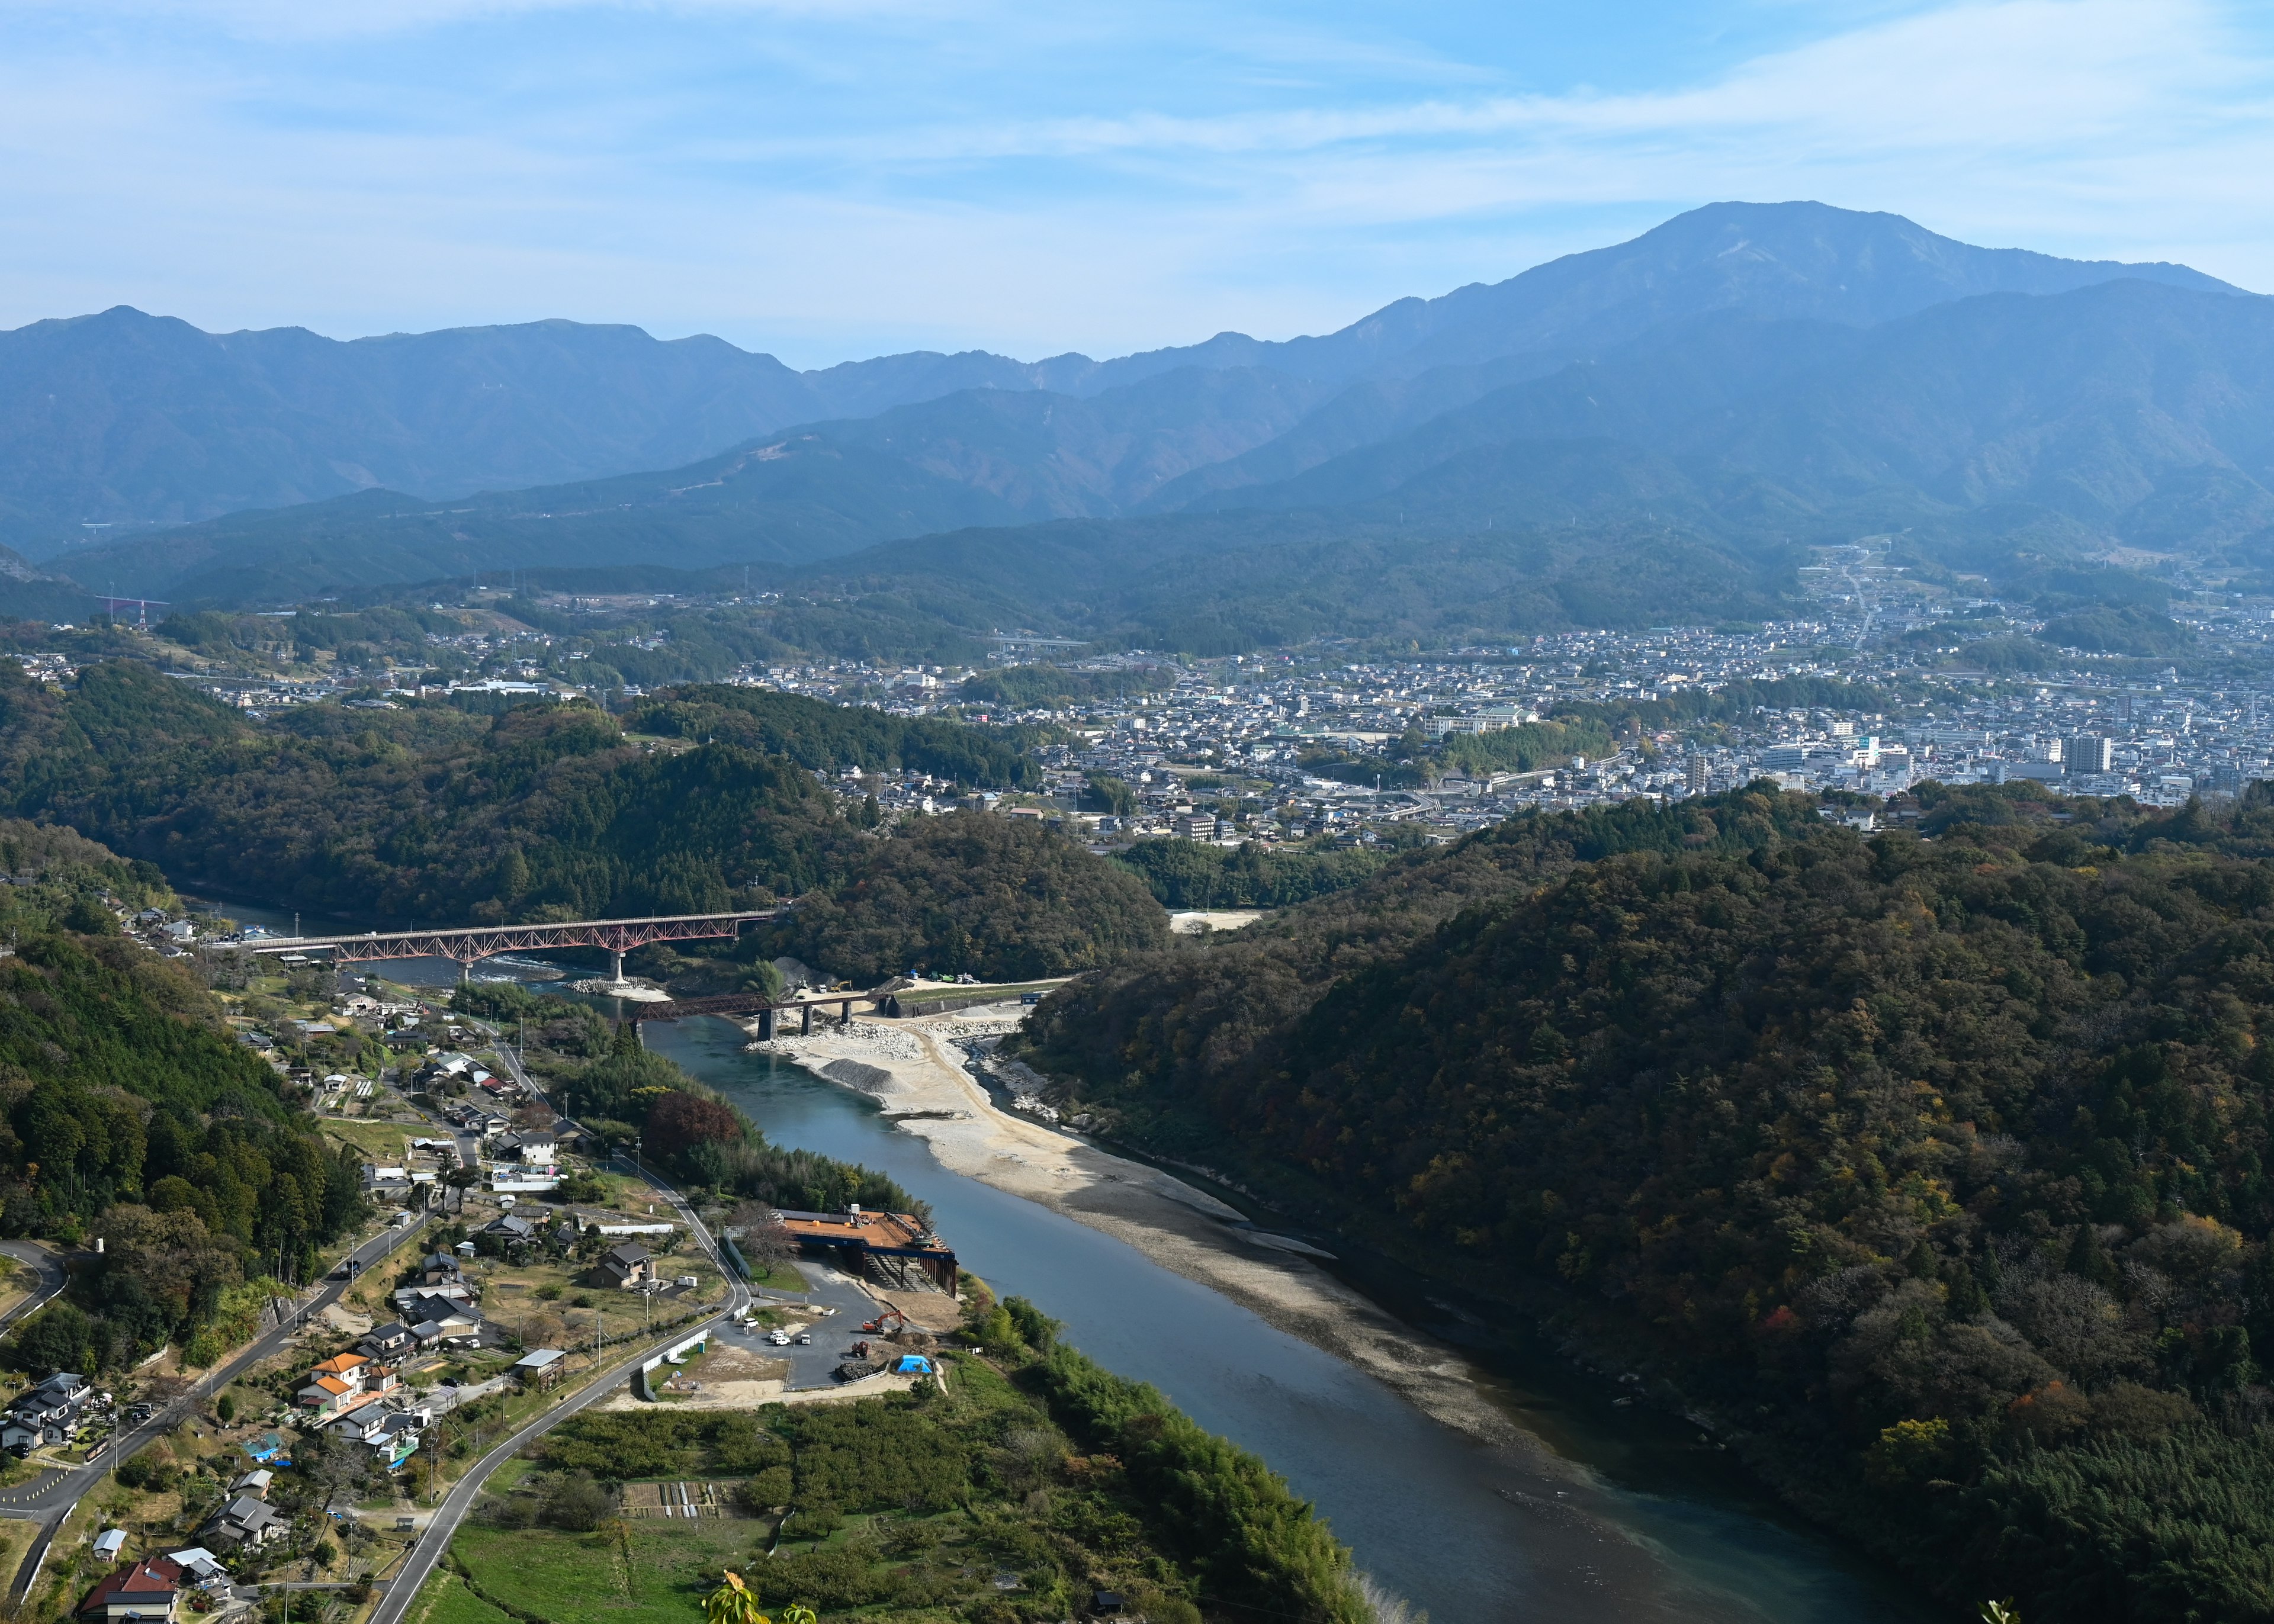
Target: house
(246, 1521)
(349, 1367)
(540, 1367)
(392, 1435)
(328, 1396)
(50, 1413)
(416, 1302)
(147, 1592)
(254, 1483)
(531, 1147)
(454, 1330)
(200, 1564)
(627, 1264)
(109, 1543)
(512, 1229)
(439, 1268)
(386, 1342)
(343, 1381)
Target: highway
(403, 1589)
(49, 1498)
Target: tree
(463, 1179)
(679, 1121)
(574, 1501)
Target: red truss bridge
(470, 944)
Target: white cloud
(826, 181)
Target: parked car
(779, 1338)
(805, 1338)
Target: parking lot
(833, 1336)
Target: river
(1625, 1518)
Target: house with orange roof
(342, 1382)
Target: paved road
(49, 1500)
(53, 1278)
(420, 1564)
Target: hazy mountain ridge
(121, 417)
(1760, 374)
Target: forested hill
(126, 1111)
(1934, 1166)
(553, 812)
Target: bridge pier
(845, 1014)
(618, 977)
(765, 1025)
(806, 1030)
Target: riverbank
(911, 1069)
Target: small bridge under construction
(471, 943)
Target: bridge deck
(468, 942)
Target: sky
(826, 181)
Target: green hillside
(1932, 1169)
(552, 812)
(127, 1111)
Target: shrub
(574, 1501)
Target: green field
(445, 1599)
(645, 1569)
(782, 1276)
(382, 1139)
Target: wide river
(1628, 1522)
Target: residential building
(246, 1521)
(391, 1433)
(50, 1413)
(627, 1264)
(540, 1367)
(145, 1592)
(2088, 752)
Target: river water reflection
(1621, 1530)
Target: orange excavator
(890, 1320)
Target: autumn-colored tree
(679, 1120)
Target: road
(53, 1278)
(49, 1500)
(419, 1565)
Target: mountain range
(1758, 375)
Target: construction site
(896, 1250)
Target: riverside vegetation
(1033, 1479)
(1933, 1162)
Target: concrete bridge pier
(617, 975)
(805, 1029)
(765, 1025)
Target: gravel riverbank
(912, 1070)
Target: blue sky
(833, 180)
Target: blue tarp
(913, 1363)
(268, 1450)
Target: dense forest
(127, 1112)
(1944, 1147)
(1002, 898)
(1198, 873)
(545, 812)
